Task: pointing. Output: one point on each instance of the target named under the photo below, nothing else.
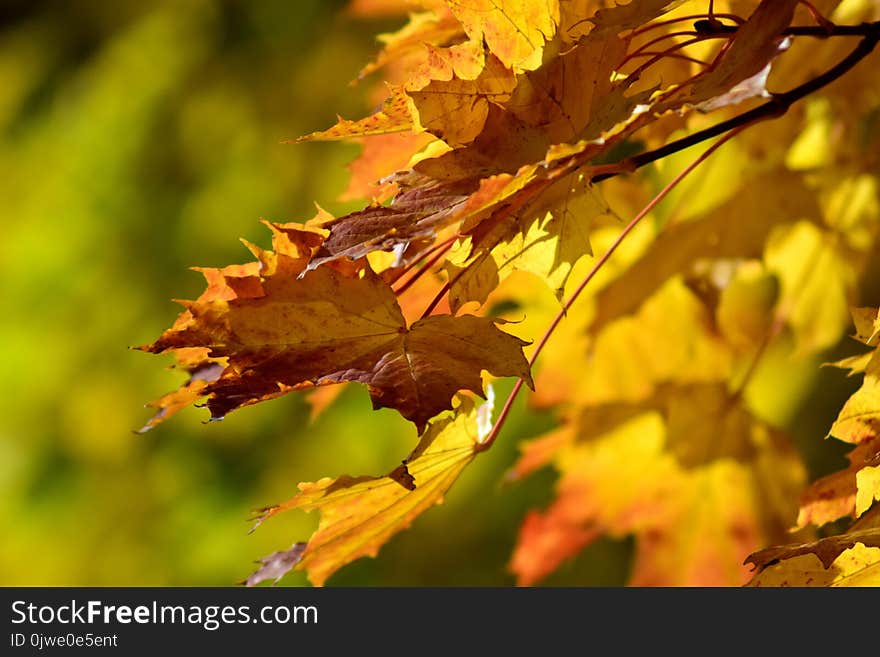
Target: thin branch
(820, 31)
(438, 251)
(502, 416)
(773, 108)
(665, 54)
(682, 19)
(499, 215)
(648, 44)
(821, 20)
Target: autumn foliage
(640, 211)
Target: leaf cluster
(513, 138)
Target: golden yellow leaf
(568, 97)
(423, 28)
(546, 238)
(465, 61)
(744, 66)
(514, 30)
(868, 487)
(738, 228)
(666, 341)
(709, 528)
(360, 514)
(456, 110)
(859, 419)
(696, 508)
(395, 116)
(816, 279)
(850, 559)
(867, 323)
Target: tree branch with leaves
(529, 130)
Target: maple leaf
(464, 61)
(816, 280)
(744, 65)
(500, 115)
(416, 213)
(382, 155)
(668, 341)
(185, 396)
(360, 514)
(547, 238)
(859, 419)
(569, 97)
(394, 116)
(690, 483)
(848, 492)
(514, 30)
(867, 325)
(851, 559)
(329, 326)
(225, 283)
(720, 233)
(456, 110)
(422, 29)
(852, 491)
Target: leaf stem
(682, 19)
(500, 215)
(773, 108)
(658, 56)
(438, 250)
(508, 404)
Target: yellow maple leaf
(850, 559)
(697, 504)
(360, 514)
(394, 116)
(456, 110)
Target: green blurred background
(138, 139)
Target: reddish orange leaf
(331, 325)
(381, 156)
(423, 28)
(744, 65)
(185, 396)
(689, 483)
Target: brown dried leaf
(826, 549)
(456, 110)
(331, 325)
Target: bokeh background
(138, 139)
